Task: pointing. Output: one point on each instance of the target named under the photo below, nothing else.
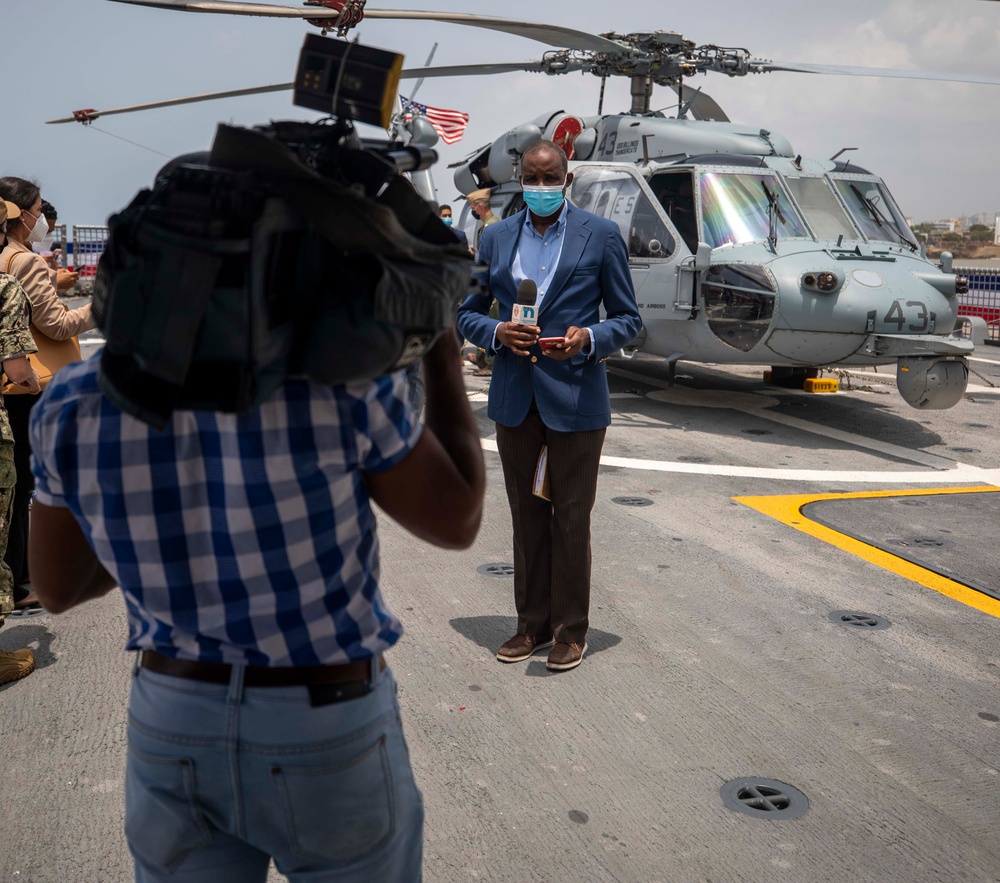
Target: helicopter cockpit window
(874, 210)
(739, 304)
(738, 208)
(675, 191)
(618, 197)
(823, 212)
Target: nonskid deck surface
(714, 655)
(943, 535)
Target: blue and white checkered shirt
(235, 537)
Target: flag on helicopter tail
(449, 124)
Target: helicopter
(741, 250)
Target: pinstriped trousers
(551, 539)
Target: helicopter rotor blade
(86, 116)
(847, 70)
(403, 108)
(232, 7)
(551, 35)
(703, 106)
(473, 70)
(420, 82)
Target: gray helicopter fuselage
(742, 253)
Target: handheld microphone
(525, 312)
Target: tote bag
(51, 356)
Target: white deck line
(961, 474)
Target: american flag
(449, 124)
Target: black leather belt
(350, 673)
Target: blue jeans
(221, 778)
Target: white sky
(935, 144)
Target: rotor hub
(351, 12)
(663, 57)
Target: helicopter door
(620, 194)
(675, 192)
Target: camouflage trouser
(484, 361)
(7, 480)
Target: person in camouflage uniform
(15, 343)
(479, 202)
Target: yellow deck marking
(788, 510)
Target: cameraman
(263, 720)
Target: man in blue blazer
(553, 395)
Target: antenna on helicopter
(684, 106)
(839, 152)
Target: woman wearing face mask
(64, 279)
(49, 317)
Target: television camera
(289, 249)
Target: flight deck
(793, 673)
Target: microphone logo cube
(524, 314)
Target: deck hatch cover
(632, 501)
(764, 798)
(499, 570)
(855, 619)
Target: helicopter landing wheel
(789, 378)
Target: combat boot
(16, 664)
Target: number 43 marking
(896, 316)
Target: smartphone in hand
(550, 343)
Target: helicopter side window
(737, 208)
(874, 210)
(819, 204)
(675, 191)
(619, 198)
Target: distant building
(949, 226)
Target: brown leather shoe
(29, 605)
(563, 657)
(15, 665)
(29, 600)
(520, 647)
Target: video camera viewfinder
(348, 80)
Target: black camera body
(288, 250)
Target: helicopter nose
(865, 296)
(828, 309)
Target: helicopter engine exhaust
(932, 384)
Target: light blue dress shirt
(537, 256)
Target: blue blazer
(571, 395)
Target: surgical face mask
(40, 230)
(447, 221)
(544, 201)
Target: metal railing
(85, 251)
(983, 298)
